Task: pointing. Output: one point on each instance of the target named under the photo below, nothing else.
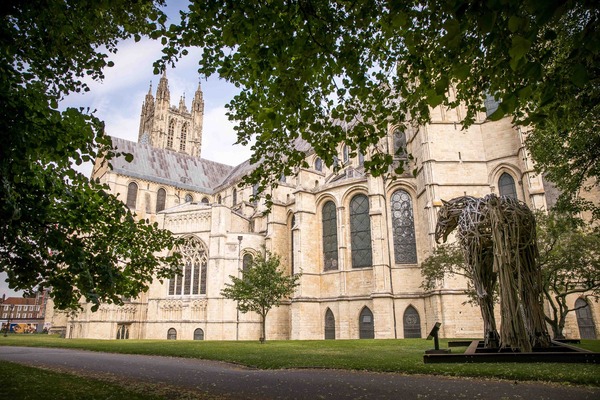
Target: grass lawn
(403, 356)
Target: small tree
(570, 264)
(261, 287)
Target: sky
(117, 100)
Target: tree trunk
(263, 335)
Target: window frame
(361, 245)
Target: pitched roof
(169, 167)
(27, 301)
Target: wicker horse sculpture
(497, 235)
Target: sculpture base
(476, 353)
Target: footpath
(229, 381)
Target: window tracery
(192, 278)
(360, 231)
(403, 225)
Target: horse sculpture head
(448, 216)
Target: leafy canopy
(341, 71)
(570, 264)
(59, 229)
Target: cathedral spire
(198, 102)
(162, 93)
(182, 107)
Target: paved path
(236, 382)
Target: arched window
(329, 325)
(183, 140)
(234, 196)
(170, 134)
(161, 198)
(319, 164)
(192, 279)
(366, 324)
(360, 232)
(247, 261)
(585, 320)
(122, 331)
(132, 190)
(205, 200)
(172, 334)
(199, 334)
(403, 223)
(345, 154)
(330, 244)
(219, 199)
(189, 198)
(412, 323)
(399, 143)
(506, 186)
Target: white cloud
(218, 139)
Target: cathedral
(358, 240)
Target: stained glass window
(403, 225)
(330, 244)
(161, 197)
(182, 143)
(192, 278)
(329, 325)
(506, 186)
(366, 324)
(360, 231)
(132, 190)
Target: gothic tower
(147, 118)
(169, 127)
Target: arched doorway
(585, 320)
(366, 324)
(329, 325)
(412, 323)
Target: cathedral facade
(358, 240)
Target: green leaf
(579, 75)
(520, 47)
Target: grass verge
(401, 356)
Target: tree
(342, 71)
(570, 264)
(59, 229)
(569, 260)
(261, 287)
